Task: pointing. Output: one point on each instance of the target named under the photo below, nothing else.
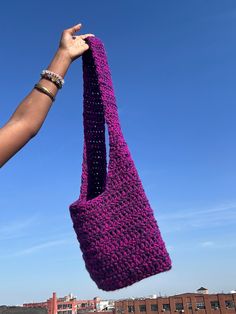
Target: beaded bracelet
(53, 77)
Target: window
(215, 305)
(64, 306)
(130, 308)
(166, 307)
(200, 305)
(142, 308)
(154, 307)
(229, 304)
(189, 305)
(179, 306)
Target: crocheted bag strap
(96, 58)
(99, 108)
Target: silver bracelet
(53, 77)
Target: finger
(86, 35)
(74, 29)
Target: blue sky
(173, 67)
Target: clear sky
(173, 65)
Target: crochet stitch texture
(118, 234)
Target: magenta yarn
(118, 234)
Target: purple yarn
(114, 223)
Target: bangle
(53, 77)
(44, 90)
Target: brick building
(70, 305)
(188, 303)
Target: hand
(73, 46)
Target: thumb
(74, 29)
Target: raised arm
(30, 114)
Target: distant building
(188, 303)
(70, 305)
(105, 305)
(202, 290)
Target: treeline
(21, 310)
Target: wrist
(60, 62)
(64, 55)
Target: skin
(30, 114)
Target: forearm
(31, 112)
(34, 108)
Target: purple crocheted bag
(115, 225)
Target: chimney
(54, 303)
